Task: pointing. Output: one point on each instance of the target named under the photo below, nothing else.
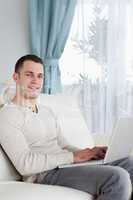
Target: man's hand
(95, 153)
(99, 152)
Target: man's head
(28, 76)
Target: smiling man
(31, 137)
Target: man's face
(30, 79)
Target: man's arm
(80, 155)
(62, 141)
(25, 160)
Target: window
(98, 58)
(85, 52)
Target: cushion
(71, 120)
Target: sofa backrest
(72, 122)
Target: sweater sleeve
(62, 141)
(26, 160)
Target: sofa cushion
(71, 120)
(28, 191)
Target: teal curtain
(50, 22)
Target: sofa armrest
(25, 191)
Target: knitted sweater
(33, 141)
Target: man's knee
(120, 174)
(122, 180)
(129, 162)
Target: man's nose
(34, 79)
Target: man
(31, 137)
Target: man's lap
(87, 178)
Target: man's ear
(15, 76)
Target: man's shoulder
(7, 108)
(10, 112)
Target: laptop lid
(121, 143)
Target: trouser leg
(103, 182)
(127, 164)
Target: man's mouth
(34, 88)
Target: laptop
(120, 146)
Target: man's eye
(28, 75)
(40, 77)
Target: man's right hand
(90, 154)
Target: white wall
(13, 34)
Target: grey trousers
(105, 182)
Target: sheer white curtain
(116, 61)
(98, 61)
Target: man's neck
(24, 102)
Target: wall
(13, 34)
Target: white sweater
(33, 141)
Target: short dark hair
(28, 57)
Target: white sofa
(72, 123)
